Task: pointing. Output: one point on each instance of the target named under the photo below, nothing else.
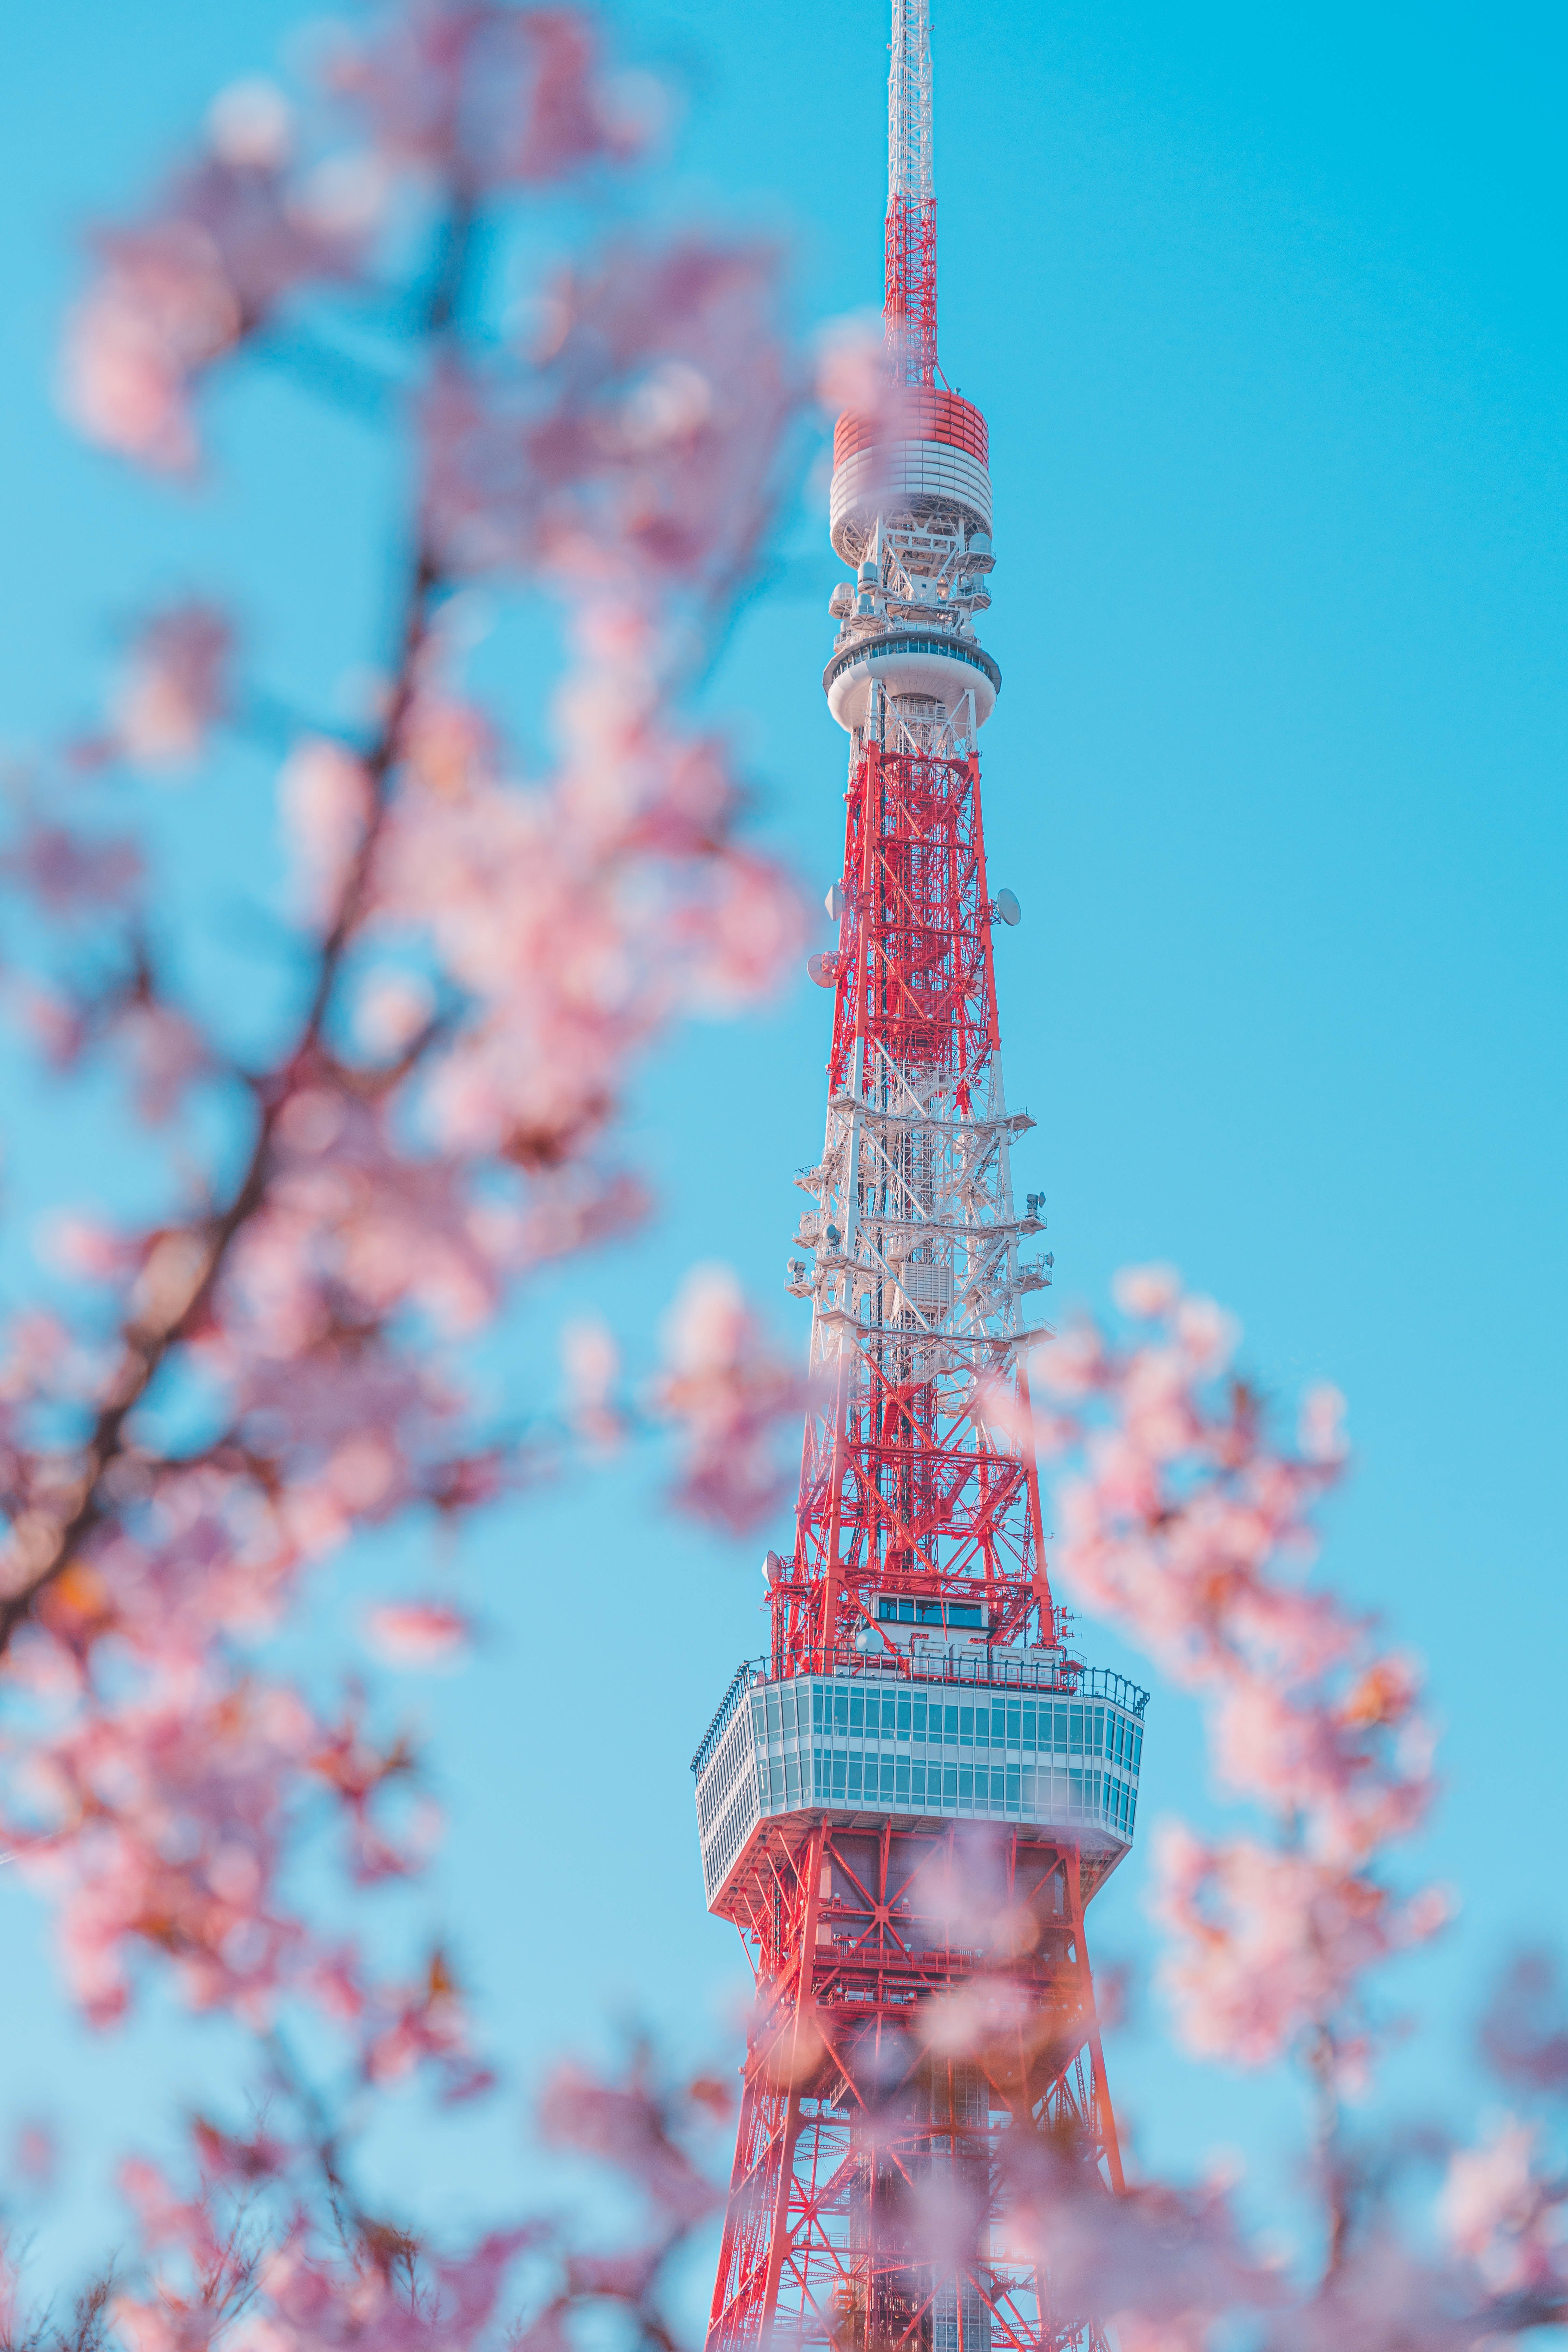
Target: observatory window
(1029, 1726)
(903, 1707)
(1075, 1726)
(964, 1613)
(1012, 1738)
(928, 1613)
(856, 1711)
(949, 1727)
(901, 1783)
(1137, 1749)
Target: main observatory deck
(994, 1737)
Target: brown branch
(184, 1265)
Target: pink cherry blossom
(484, 94)
(1502, 2209)
(233, 237)
(591, 1362)
(726, 1390)
(324, 794)
(175, 686)
(70, 872)
(1268, 1947)
(418, 1632)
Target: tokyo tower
(921, 1787)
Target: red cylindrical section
(923, 414)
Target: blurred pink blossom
(728, 1391)
(484, 94)
(1504, 2207)
(175, 686)
(592, 1363)
(324, 796)
(419, 1632)
(231, 240)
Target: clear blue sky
(1266, 310)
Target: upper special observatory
(920, 1784)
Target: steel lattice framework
(913, 1797)
(910, 303)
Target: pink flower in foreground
(592, 1363)
(1503, 2211)
(175, 686)
(70, 872)
(235, 235)
(728, 1393)
(419, 1632)
(1524, 2033)
(624, 2123)
(1146, 1291)
(488, 94)
(1267, 1946)
(324, 794)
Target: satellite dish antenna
(1007, 906)
(835, 902)
(823, 969)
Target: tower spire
(910, 293)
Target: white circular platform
(910, 662)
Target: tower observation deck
(921, 1784)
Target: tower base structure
(924, 1990)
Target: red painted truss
(862, 2138)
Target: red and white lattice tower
(920, 1784)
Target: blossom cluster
(1185, 1520)
(486, 940)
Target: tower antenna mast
(908, 305)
